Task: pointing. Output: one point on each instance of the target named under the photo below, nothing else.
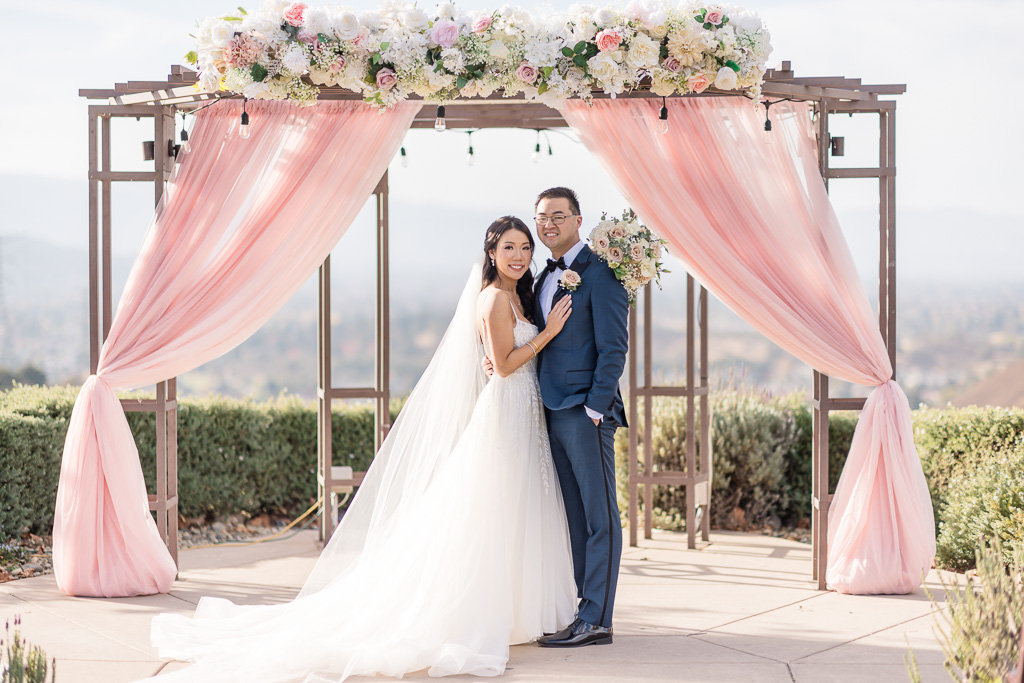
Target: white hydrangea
(453, 60)
(237, 80)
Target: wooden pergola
(162, 100)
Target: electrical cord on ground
(273, 537)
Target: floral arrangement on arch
(286, 50)
(632, 251)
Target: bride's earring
(492, 262)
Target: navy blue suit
(581, 367)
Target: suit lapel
(537, 288)
(579, 264)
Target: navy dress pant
(584, 457)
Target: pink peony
(338, 65)
(445, 33)
(386, 79)
(295, 13)
(714, 17)
(672, 64)
(526, 73)
(698, 82)
(242, 51)
(608, 40)
(482, 23)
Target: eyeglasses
(553, 220)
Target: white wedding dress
(455, 547)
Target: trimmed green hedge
(973, 459)
(761, 447)
(255, 457)
(233, 455)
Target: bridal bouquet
(285, 51)
(631, 250)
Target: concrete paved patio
(740, 609)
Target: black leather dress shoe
(578, 634)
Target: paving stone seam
(79, 624)
(866, 635)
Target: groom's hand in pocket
(488, 366)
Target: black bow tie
(560, 263)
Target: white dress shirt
(547, 295)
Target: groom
(579, 374)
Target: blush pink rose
(601, 243)
(295, 13)
(714, 17)
(617, 232)
(672, 64)
(608, 40)
(637, 252)
(698, 82)
(361, 37)
(614, 255)
(386, 79)
(526, 73)
(570, 279)
(657, 250)
(338, 65)
(481, 23)
(445, 33)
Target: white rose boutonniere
(570, 280)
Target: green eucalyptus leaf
(542, 88)
(579, 60)
(461, 82)
(385, 45)
(231, 18)
(241, 10)
(707, 26)
(191, 57)
(580, 46)
(375, 59)
(546, 70)
(567, 52)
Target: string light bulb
(767, 124)
(243, 128)
(469, 154)
(663, 117)
(185, 146)
(439, 123)
(536, 149)
(405, 158)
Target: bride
(455, 545)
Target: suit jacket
(583, 363)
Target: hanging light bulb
(185, 146)
(243, 128)
(469, 154)
(536, 149)
(405, 158)
(663, 117)
(439, 123)
(767, 124)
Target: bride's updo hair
(524, 288)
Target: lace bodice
(523, 332)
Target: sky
(959, 137)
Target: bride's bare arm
(498, 324)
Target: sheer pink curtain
(753, 223)
(241, 226)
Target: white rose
(605, 17)
(221, 33)
(643, 52)
(487, 88)
(209, 81)
(346, 25)
(745, 20)
(726, 79)
(647, 269)
(471, 89)
(616, 55)
(415, 19)
(603, 67)
(661, 83)
(257, 91)
(498, 50)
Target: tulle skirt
(480, 562)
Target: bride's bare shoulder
(493, 302)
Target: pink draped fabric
(752, 222)
(241, 226)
